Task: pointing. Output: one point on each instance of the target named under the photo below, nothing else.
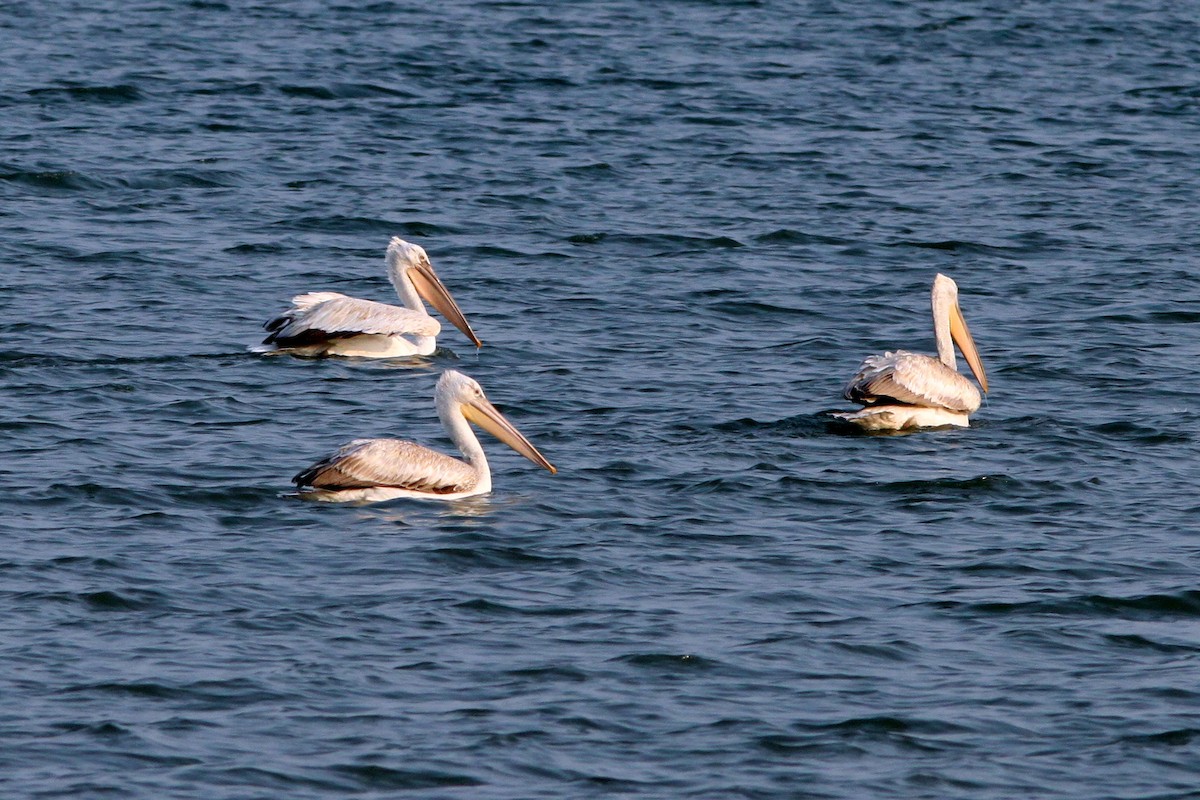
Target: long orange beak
(961, 335)
(431, 289)
(488, 417)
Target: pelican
(332, 324)
(370, 470)
(901, 390)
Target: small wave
(343, 91)
(899, 653)
(799, 425)
(549, 674)
(596, 169)
(1184, 317)
(879, 724)
(617, 78)
(953, 246)
(376, 777)
(792, 744)
(19, 425)
(722, 485)
(90, 561)
(131, 600)
(182, 179)
(229, 497)
(498, 557)
(789, 236)
(270, 248)
(243, 89)
(1180, 737)
(231, 694)
(493, 608)
(980, 484)
(587, 238)
(1013, 141)
(494, 251)
(1135, 642)
(89, 491)
(946, 24)
(64, 179)
(269, 779)
(230, 423)
(313, 92)
(715, 121)
(1181, 605)
(1140, 433)
(1001, 570)
(668, 662)
(656, 243)
(1168, 90)
(362, 225)
(119, 93)
(283, 621)
(70, 180)
(735, 309)
(106, 729)
(149, 689)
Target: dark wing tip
(314, 474)
(306, 477)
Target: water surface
(677, 230)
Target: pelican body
(370, 470)
(333, 324)
(902, 390)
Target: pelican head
(949, 325)
(458, 393)
(410, 271)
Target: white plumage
(902, 390)
(333, 324)
(390, 463)
(369, 470)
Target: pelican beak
(431, 289)
(486, 416)
(962, 337)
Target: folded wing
(320, 316)
(911, 379)
(395, 463)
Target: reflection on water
(412, 511)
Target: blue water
(677, 229)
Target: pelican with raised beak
(902, 390)
(370, 470)
(333, 324)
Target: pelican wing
(303, 302)
(319, 316)
(912, 379)
(366, 463)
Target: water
(677, 229)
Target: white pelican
(332, 324)
(906, 390)
(369, 470)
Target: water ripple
(678, 230)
